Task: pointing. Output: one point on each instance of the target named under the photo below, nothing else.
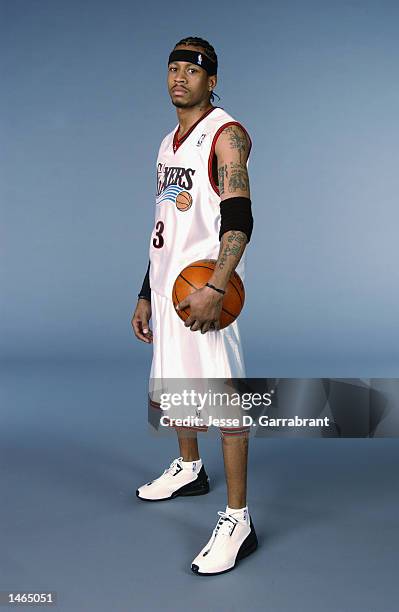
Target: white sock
(193, 466)
(241, 514)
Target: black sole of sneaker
(198, 491)
(249, 546)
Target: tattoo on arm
(233, 175)
(238, 141)
(222, 175)
(238, 179)
(233, 249)
(233, 179)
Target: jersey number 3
(158, 241)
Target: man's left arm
(232, 150)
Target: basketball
(184, 201)
(195, 276)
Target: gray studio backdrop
(84, 107)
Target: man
(204, 160)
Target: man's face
(188, 84)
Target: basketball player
(203, 211)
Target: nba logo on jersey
(200, 140)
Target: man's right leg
(185, 476)
(188, 444)
(172, 360)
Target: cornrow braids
(206, 47)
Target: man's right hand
(140, 321)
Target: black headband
(194, 57)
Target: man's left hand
(205, 307)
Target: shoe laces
(173, 466)
(224, 527)
(225, 524)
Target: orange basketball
(195, 276)
(184, 201)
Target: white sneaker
(231, 540)
(180, 478)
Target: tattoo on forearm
(236, 236)
(234, 248)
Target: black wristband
(215, 288)
(145, 291)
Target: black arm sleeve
(145, 291)
(236, 214)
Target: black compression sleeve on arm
(236, 214)
(145, 291)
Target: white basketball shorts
(179, 353)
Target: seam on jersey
(212, 151)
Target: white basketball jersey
(187, 207)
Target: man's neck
(188, 116)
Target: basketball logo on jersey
(183, 201)
(200, 140)
(173, 184)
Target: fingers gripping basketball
(195, 276)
